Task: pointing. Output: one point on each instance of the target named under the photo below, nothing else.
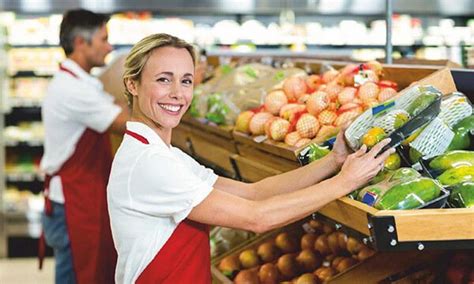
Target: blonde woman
(161, 201)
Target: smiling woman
(161, 70)
(161, 200)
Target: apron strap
(48, 211)
(137, 136)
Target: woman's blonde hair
(141, 51)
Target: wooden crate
(372, 270)
(412, 229)
(181, 138)
(251, 170)
(265, 158)
(211, 144)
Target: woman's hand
(340, 149)
(361, 166)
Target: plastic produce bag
(462, 195)
(225, 239)
(400, 189)
(242, 88)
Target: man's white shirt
(72, 105)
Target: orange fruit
(373, 136)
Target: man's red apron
(185, 257)
(84, 178)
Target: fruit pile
(456, 169)
(305, 107)
(310, 256)
(233, 89)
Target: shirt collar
(80, 73)
(145, 131)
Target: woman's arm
(292, 180)
(282, 183)
(225, 209)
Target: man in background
(77, 116)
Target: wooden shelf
(433, 224)
(278, 149)
(410, 230)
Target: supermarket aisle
(25, 270)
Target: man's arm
(118, 126)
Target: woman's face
(165, 90)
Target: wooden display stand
(372, 270)
(212, 144)
(408, 229)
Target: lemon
(392, 162)
(373, 136)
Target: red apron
(84, 178)
(185, 257)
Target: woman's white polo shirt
(152, 188)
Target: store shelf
(24, 103)
(20, 224)
(31, 73)
(27, 45)
(24, 177)
(22, 144)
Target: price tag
(260, 138)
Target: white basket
(366, 120)
(434, 139)
(454, 109)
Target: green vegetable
(414, 155)
(251, 72)
(280, 75)
(462, 134)
(457, 175)
(409, 195)
(421, 102)
(217, 109)
(453, 159)
(384, 182)
(226, 69)
(462, 195)
(316, 152)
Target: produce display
(307, 106)
(234, 89)
(225, 239)
(400, 189)
(381, 121)
(311, 253)
(449, 131)
(455, 169)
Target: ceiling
(341, 7)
